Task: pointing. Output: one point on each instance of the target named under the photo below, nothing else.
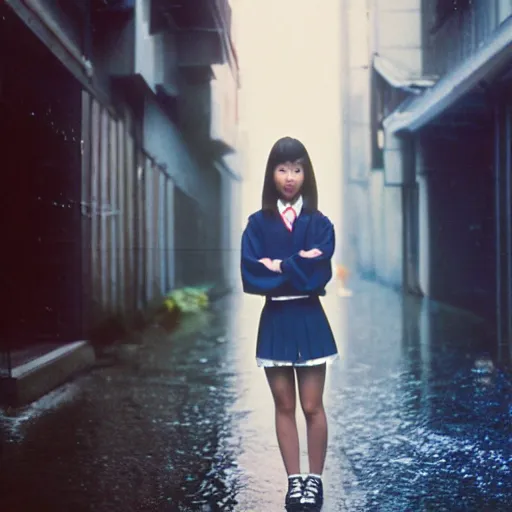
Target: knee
(285, 406)
(312, 409)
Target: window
(447, 8)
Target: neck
(290, 201)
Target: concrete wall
(224, 105)
(374, 224)
(357, 252)
(207, 189)
(373, 197)
(164, 142)
(504, 10)
(231, 228)
(236, 235)
(194, 107)
(396, 29)
(147, 59)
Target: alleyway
(419, 420)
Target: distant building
(427, 150)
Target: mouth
(289, 189)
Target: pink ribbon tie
(289, 217)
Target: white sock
(315, 475)
(295, 475)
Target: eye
(298, 170)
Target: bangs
(287, 150)
(290, 150)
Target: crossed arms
(275, 265)
(306, 271)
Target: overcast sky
(289, 53)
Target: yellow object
(203, 299)
(169, 304)
(187, 300)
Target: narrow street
(419, 419)
(129, 174)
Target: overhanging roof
(399, 78)
(229, 164)
(484, 65)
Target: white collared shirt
(297, 206)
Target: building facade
(427, 150)
(119, 122)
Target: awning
(399, 78)
(229, 165)
(485, 64)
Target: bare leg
(282, 384)
(311, 388)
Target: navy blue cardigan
(266, 236)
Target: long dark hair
(285, 150)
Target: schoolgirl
(287, 248)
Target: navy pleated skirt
(294, 332)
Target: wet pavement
(419, 419)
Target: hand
(276, 266)
(273, 265)
(312, 253)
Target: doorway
(40, 126)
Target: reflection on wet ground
(419, 416)
(420, 419)
(146, 431)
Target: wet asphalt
(420, 418)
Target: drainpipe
(410, 216)
(503, 212)
(508, 217)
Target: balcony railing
(453, 35)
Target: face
(289, 178)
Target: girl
(287, 248)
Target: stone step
(37, 377)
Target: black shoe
(294, 494)
(313, 493)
